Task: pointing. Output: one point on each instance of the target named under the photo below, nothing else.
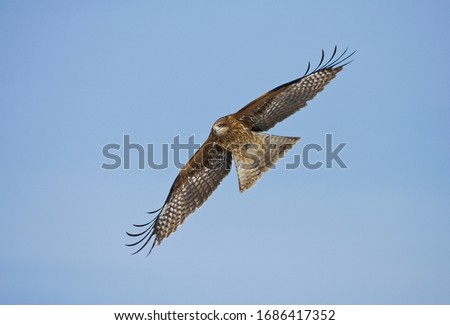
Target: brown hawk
(238, 136)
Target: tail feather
(253, 159)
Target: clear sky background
(76, 75)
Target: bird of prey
(238, 137)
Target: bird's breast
(235, 138)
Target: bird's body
(238, 137)
(253, 152)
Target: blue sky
(76, 75)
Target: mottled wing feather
(281, 102)
(193, 185)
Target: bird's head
(221, 126)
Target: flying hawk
(238, 137)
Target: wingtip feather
(333, 62)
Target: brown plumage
(238, 136)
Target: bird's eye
(220, 125)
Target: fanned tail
(252, 160)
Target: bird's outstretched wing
(281, 102)
(193, 185)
